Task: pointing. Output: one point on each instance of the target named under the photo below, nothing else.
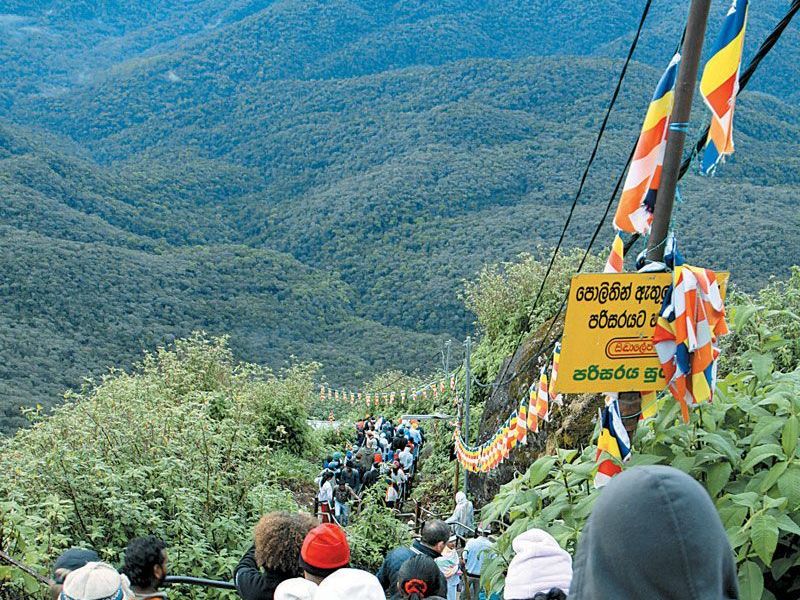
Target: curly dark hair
(278, 539)
(141, 555)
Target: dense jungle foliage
(743, 448)
(396, 148)
(190, 445)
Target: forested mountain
(317, 178)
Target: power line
(599, 137)
(765, 48)
(767, 45)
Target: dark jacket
(353, 480)
(387, 574)
(654, 533)
(254, 584)
(399, 442)
(371, 477)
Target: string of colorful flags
(377, 398)
(532, 410)
(692, 316)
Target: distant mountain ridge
(317, 178)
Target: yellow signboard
(607, 344)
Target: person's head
(348, 466)
(377, 458)
(551, 594)
(418, 578)
(278, 537)
(96, 581)
(663, 516)
(452, 541)
(484, 529)
(348, 455)
(146, 562)
(539, 564)
(70, 560)
(350, 584)
(327, 476)
(435, 534)
(325, 549)
(342, 485)
(296, 588)
(461, 497)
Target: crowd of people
(382, 453)
(653, 533)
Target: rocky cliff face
(570, 426)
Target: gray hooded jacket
(654, 533)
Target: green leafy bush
(374, 532)
(190, 446)
(743, 448)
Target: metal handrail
(201, 581)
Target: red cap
(378, 459)
(324, 550)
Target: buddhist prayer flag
(635, 210)
(720, 84)
(533, 421)
(522, 422)
(615, 262)
(613, 441)
(692, 318)
(554, 397)
(542, 399)
(649, 405)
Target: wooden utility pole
(681, 111)
(630, 403)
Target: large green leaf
(717, 477)
(540, 470)
(786, 523)
(748, 499)
(760, 454)
(762, 365)
(764, 536)
(722, 445)
(789, 486)
(791, 430)
(751, 581)
(772, 476)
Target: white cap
(350, 584)
(296, 589)
(95, 581)
(538, 565)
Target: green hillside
(371, 156)
(430, 171)
(52, 47)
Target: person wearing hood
(463, 517)
(539, 566)
(433, 538)
(350, 584)
(296, 588)
(70, 560)
(96, 581)
(654, 533)
(450, 565)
